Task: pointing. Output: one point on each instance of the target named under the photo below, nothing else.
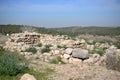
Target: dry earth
(77, 71)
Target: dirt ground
(78, 71)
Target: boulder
(80, 53)
(68, 51)
(66, 56)
(27, 77)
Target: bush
(98, 51)
(1, 50)
(39, 44)
(57, 61)
(32, 49)
(64, 47)
(48, 46)
(12, 64)
(113, 62)
(117, 44)
(45, 50)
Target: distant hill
(71, 31)
(110, 31)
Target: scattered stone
(27, 77)
(90, 47)
(66, 56)
(68, 51)
(75, 61)
(55, 52)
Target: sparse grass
(12, 64)
(117, 44)
(32, 49)
(40, 75)
(91, 42)
(57, 61)
(1, 50)
(48, 46)
(113, 62)
(98, 51)
(45, 50)
(39, 44)
(64, 47)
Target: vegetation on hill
(71, 31)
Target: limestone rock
(27, 77)
(75, 61)
(66, 56)
(80, 53)
(68, 51)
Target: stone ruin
(76, 52)
(27, 38)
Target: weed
(12, 64)
(117, 44)
(64, 47)
(57, 61)
(45, 50)
(113, 62)
(39, 44)
(48, 46)
(32, 49)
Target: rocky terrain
(77, 59)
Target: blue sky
(60, 13)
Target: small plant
(57, 61)
(39, 44)
(98, 51)
(12, 64)
(117, 44)
(113, 62)
(92, 42)
(48, 46)
(64, 47)
(1, 50)
(45, 50)
(32, 49)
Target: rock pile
(69, 50)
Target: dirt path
(78, 72)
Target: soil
(77, 71)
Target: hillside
(71, 31)
(102, 31)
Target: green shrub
(113, 62)
(98, 51)
(1, 50)
(64, 47)
(117, 44)
(12, 64)
(45, 50)
(39, 44)
(32, 49)
(48, 46)
(57, 61)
